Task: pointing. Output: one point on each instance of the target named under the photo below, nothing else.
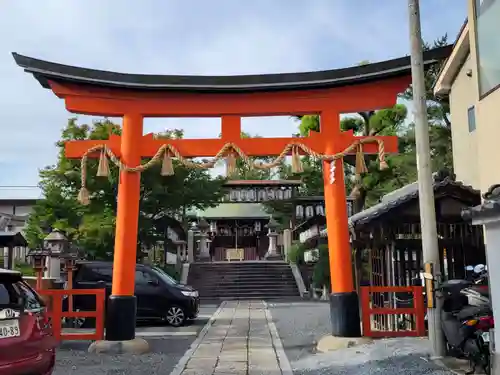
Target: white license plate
(485, 336)
(9, 328)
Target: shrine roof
(400, 196)
(488, 210)
(262, 183)
(44, 71)
(233, 211)
(12, 239)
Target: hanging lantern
(213, 226)
(320, 211)
(309, 211)
(257, 226)
(299, 212)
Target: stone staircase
(243, 280)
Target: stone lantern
(181, 252)
(203, 227)
(272, 251)
(57, 243)
(69, 255)
(39, 260)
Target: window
(471, 118)
(8, 295)
(95, 274)
(164, 276)
(31, 301)
(487, 14)
(142, 277)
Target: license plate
(9, 328)
(485, 336)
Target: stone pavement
(240, 339)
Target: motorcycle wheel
(485, 361)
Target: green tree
(438, 113)
(92, 227)
(383, 122)
(245, 172)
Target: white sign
(309, 233)
(332, 172)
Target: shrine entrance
(238, 228)
(134, 97)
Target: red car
(27, 344)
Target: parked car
(27, 344)
(160, 298)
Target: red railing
(417, 312)
(56, 313)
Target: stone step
(243, 280)
(239, 266)
(251, 277)
(241, 288)
(262, 292)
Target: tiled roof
(233, 211)
(20, 193)
(400, 196)
(490, 207)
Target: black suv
(159, 296)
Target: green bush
(296, 253)
(25, 269)
(171, 270)
(321, 271)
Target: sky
(216, 37)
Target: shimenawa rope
(228, 151)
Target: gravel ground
(73, 358)
(301, 324)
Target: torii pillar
(134, 97)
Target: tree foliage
(92, 227)
(394, 121)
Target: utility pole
(430, 246)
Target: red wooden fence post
(418, 298)
(366, 311)
(100, 296)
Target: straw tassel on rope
(296, 162)
(360, 161)
(167, 167)
(83, 194)
(381, 157)
(103, 167)
(230, 164)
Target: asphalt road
(168, 345)
(302, 324)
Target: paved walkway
(240, 339)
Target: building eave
(454, 63)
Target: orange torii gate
(134, 97)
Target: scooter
(466, 320)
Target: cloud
(185, 37)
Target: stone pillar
(272, 234)
(272, 251)
(190, 246)
(204, 249)
(488, 215)
(287, 242)
(53, 267)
